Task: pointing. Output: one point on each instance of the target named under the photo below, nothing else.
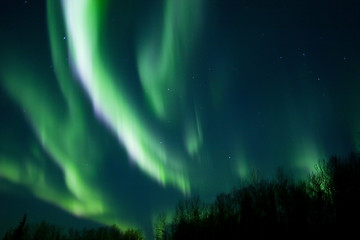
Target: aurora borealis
(112, 111)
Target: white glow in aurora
(110, 102)
(63, 133)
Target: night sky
(113, 111)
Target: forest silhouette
(46, 231)
(324, 205)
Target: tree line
(324, 205)
(46, 231)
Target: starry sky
(113, 111)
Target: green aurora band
(64, 135)
(110, 101)
(77, 146)
(163, 61)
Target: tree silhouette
(321, 206)
(19, 233)
(132, 234)
(160, 231)
(324, 204)
(46, 231)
